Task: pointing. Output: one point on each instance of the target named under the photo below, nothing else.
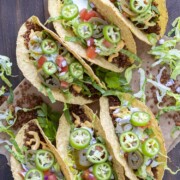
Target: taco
(84, 30)
(33, 155)
(143, 17)
(80, 143)
(51, 68)
(133, 132)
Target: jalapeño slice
(49, 46)
(139, 6)
(111, 34)
(150, 147)
(69, 11)
(44, 160)
(129, 141)
(140, 118)
(80, 138)
(85, 30)
(102, 171)
(76, 69)
(97, 153)
(135, 160)
(49, 68)
(33, 174)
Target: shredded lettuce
(5, 69)
(67, 114)
(176, 28)
(167, 54)
(141, 94)
(152, 38)
(167, 109)
(162, 89)
(175, 96)
(48, 120)
(137, 64)
(50, 95)
(2, 90)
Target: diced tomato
(91, 52)
(59, 61)
(83, 13)
(91, 14)
(107, 44)
(90, 42)
(87, 175)
(64, 69)
(52, 177)
(41, 61)
(64, 84)
(47, 173)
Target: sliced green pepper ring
(140, 118)
(129, 141)
(49, 46)
(49, 68)
(102, 171)
(76, 69)
(111, 34)
(69, 11)
(150, 147)
(139, 6)
(97, 153)
(34, 174)
(80, 138)
(44, 160)
(85, 30)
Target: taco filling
(36, 159)
(87, 151)
(143, 14)
(57, 68)
(92, 31)
(139, 147)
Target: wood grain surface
(15, 12)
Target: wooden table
(15, 12)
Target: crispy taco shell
(111, 137)
(107, 8)
(16, 166)
(62, 141)
(30, 71)
(54, 7)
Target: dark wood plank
(12, 14)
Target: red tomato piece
(91, 52)
(64, 84)
(90, 42)
(59, 61)
(41, 61)
(107, 44)
(87, 175)
(83, 13)
(47, 173)
(64, 69)
(52, 177)
(90, 14)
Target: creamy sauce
(81, 4)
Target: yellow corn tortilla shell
(111, 137)
(54, 7)
(108, 8)
(16, 166)
(30, 71)
(62, 141)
